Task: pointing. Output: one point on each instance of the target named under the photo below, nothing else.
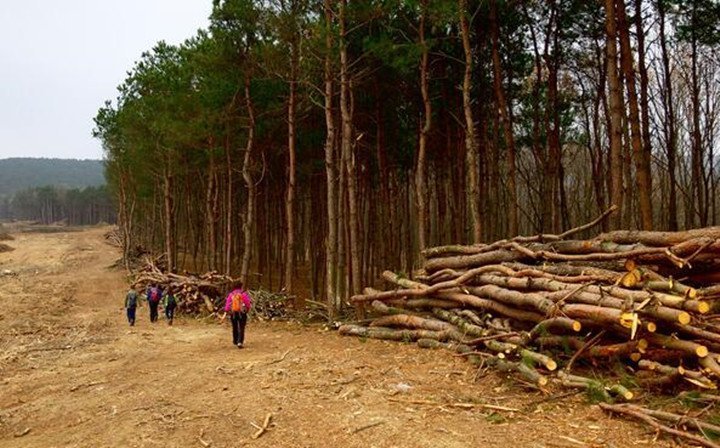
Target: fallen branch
(369, 425)
(264, 427)
(620, 409)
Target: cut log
(688, 347)
(391, 334)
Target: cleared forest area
(73, 374)
(326, 142)
(429, 167)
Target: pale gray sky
(59, 60)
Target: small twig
(264, 427)
(280, 358)
(369, 425)
(589, 225)
(570, 439)
(456, 405)
(572, 293)
(697, 252)
(200, 439)
(23, 432)
(587, 345)
(492, 337)
(90, 384)
(474, 354)
(658, 426)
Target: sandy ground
(74, 374)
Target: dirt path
(73, 374)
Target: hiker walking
(131, 304)
(169, 303)
(237, 304)
(154, 295)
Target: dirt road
(73, 374)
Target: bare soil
(74, 374)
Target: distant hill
(20, 173)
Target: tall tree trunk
(642, 163)
(644, 96)
(210, 213)
(671, 135)
(169, 215)
(249, 219)
(290, 199)
(332, 298)
(697, 184)
(228, 207)
(615, 100)
(504, 119)
(349, 156)
(472, 191)
(420, 175)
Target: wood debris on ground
(536, 306)
(204, 294)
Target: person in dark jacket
(154, 296)
(131, 300)
(169, 303)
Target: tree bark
(211, 247)
(228, 207)
(642, 162)
(420, 175)
(290, 198)
(644, 99)
(472, 192)
(331, 296)
(349, 156)
(671, 135)
(249, 219)
(503, 110)
(169, 215)
(615, 99)
(697, 182)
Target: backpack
(132, 299)
(154, 295)
(237, 303)
(171, 300)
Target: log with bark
(204, 294)
(539, 305)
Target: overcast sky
(59, 60)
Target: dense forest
(22, 173)
(50, 204)
(298, 143)
(54, 190)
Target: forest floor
(74, 374)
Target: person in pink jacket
(237, 305)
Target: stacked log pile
(195, 293)
(269, 305)
(204, 294)
(538, 305)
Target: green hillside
(21, 173)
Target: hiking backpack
(237, 302)
(154, 295)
